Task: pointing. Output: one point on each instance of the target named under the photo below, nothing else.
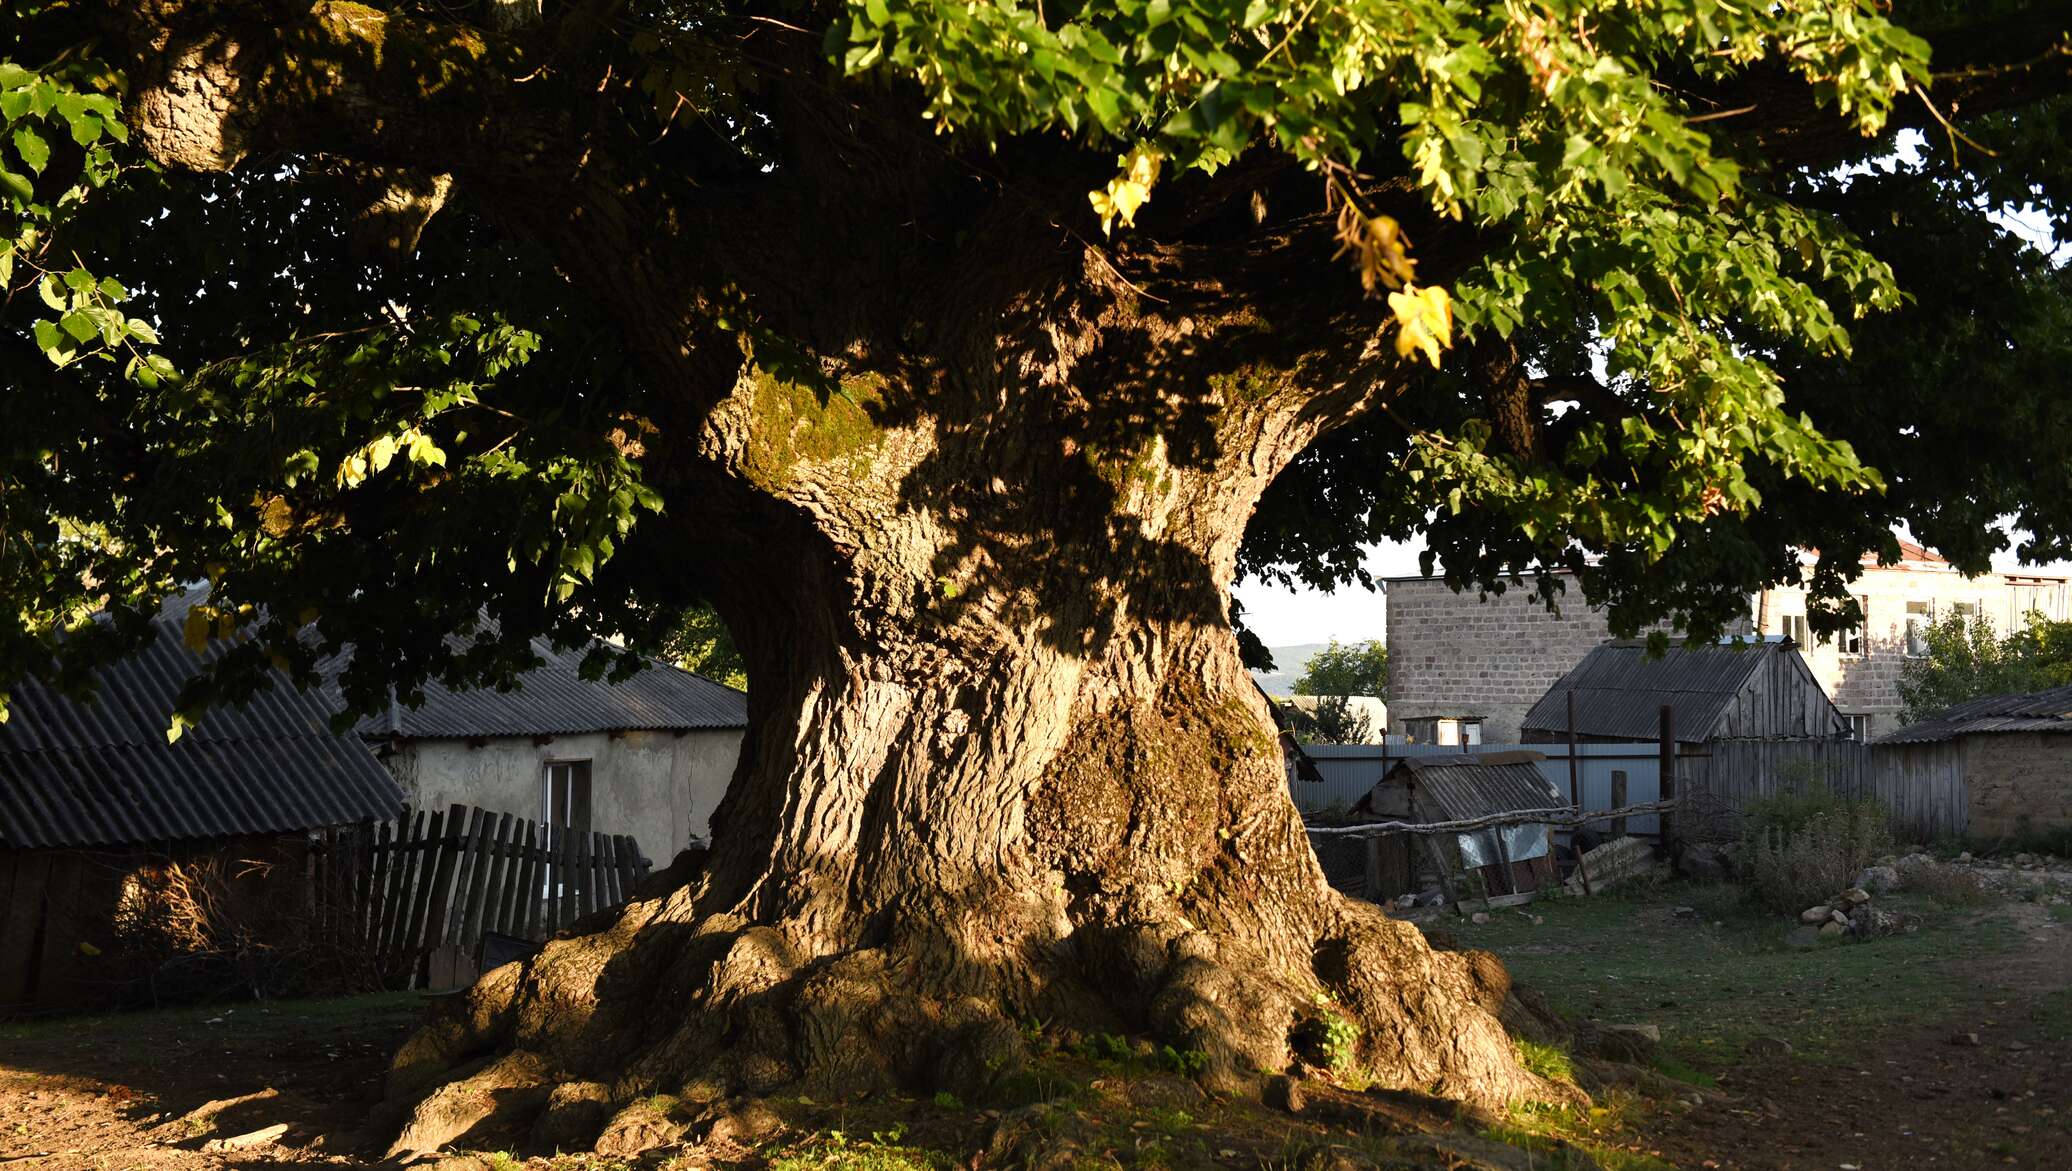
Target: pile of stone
(1850, 913)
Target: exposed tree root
(566, 1050)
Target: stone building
(1457, 657)
(1457, 661)
(650, 756)
(1860, 669)
(1996, 768)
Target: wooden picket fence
(416, 896)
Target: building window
(565, 797)
(1448, 732)
(1965, 611)
(1859, 727)
(1796, 630)
(1852, 638)
(1918, 618)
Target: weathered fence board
(439, 882)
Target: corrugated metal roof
(2034, 711)
(1451, 787)
(101, 773)
(554, 699)
(1620, 690)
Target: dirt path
(1927, 1098)
(164, 1091)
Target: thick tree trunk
(1005, 765)
(971, 501)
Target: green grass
(1593, 1132)
(1710, 989)
(835, 1151)
(1545, 1060)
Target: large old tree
(947, 350)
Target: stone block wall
(1454, 655)
(2019, 783)
(1867, 683)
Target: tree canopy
(1360, 668)
(1632, 247)
(1967, 659)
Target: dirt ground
(177, 1090)
(153, 1090)
(1928, 1097)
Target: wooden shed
(1509, 859)
(99, 813)
(1999, 767)
(1748, 719)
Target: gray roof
(102, 774)
(1454, 787)
(554, 699)
(2036, 711)
(1620, 690)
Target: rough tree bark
(984, 504)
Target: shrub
(1950, 885)
(1799, 848)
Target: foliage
(1967, 660)
(1947, 884)
(385, 455)
(1799, 849)
(1547, 1061)
(703, 644)
(835, 1151)
(1360, 668)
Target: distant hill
(1288, 664)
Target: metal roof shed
(1995, 767)
(1450, 787)
(1756, 690)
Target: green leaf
(80, 325)
(30, 145)
(17, 185)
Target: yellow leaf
(88, 949)
(1425, 321)
(195, 632)
(1128, 191)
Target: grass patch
(1713, 984)
(835, 1151)
(1547, 1061)
(1563, 1132)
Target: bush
(1799, 848)
(1946, 884)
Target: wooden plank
(510, 917)
(586, 887)
(24, 924)
(531, 879)
(55, 982)
(396, 914)
(388, 859)
(629, 873)
(564, 855)
(363, 875)
(10, 861)
(478, 886)
(421, 909)
(437, 921)
(600, 884)
(464, 871)
(500, 874)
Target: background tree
(946, 350)
(1967, 659)
(1333, 720)
(702, 643)
(1360, 668)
